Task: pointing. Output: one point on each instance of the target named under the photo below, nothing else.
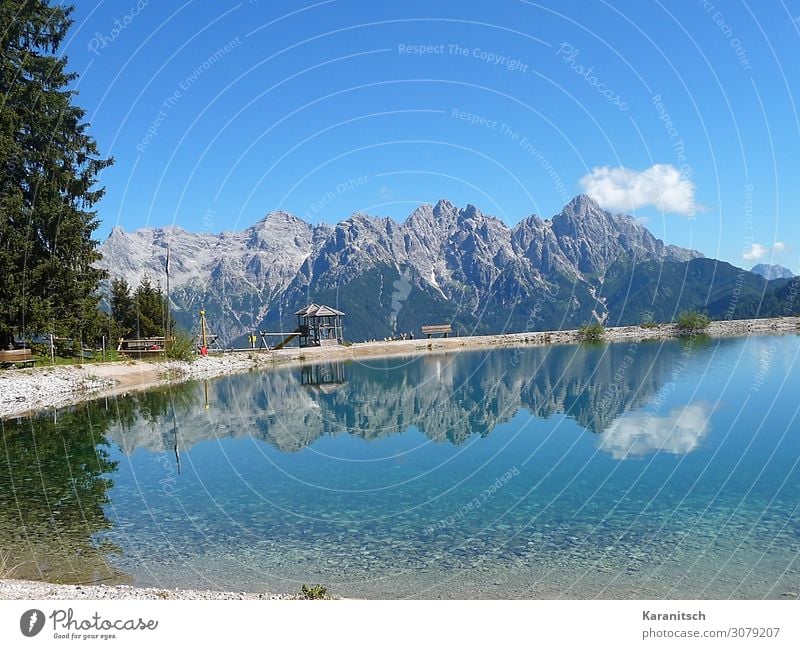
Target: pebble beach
(13, 589)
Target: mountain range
(443, 264)
(772, 271)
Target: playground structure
(317, 326)
(207, 339)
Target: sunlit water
(657, 470)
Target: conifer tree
(141, 314)
(122, 309)
(150, 309)
(48, 174)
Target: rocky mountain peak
(281, 232)
(582, 205)
(279, 217)
(443, 205)
(427, 229)
(445, 212)
(470, 212)
(772, 271)
(580, 211)
(423, 213)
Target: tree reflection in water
(56, 472)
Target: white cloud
(618, 188)
(756, 252)
(640, 433)
(759, 251)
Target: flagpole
(167, 339)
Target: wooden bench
(138, 347)
(16, 357)
(430, 330)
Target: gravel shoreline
(14, 589)
(27, 390)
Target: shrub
(181, 348)
(591, 332)
(115, 356)
(313, 592)
(693, 322)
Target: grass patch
(591, 333)
(691, 323)
(43, 358)
(6, 569)
(313, 592)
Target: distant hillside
(772, 271)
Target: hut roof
(317, 311)
(305, 310)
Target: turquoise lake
(653, 470)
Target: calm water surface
(657, 470)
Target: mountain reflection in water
(448, 397)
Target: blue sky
(683, 114)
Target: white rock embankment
(24, 390)
(13, 589)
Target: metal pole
(167, 339)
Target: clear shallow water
(658, 470)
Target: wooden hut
(319, 325)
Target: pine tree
(149, 309)
(122, 309)
(48, 172)
(141, 314)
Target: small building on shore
(320, 326)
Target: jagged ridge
(443, 263)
